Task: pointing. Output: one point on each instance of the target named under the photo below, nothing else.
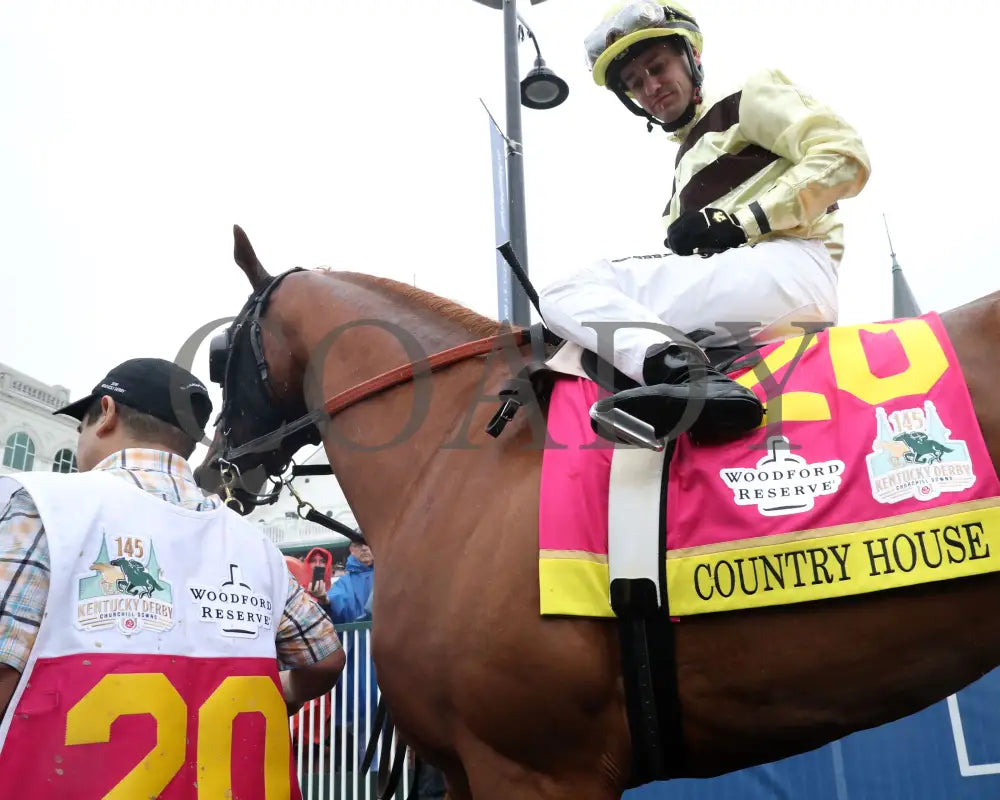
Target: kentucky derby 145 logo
(782, 483)
(912, 456)
(125, 590)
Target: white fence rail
(329, 735)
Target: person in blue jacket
(350, 596)
(349, 600)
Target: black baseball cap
(156, 387)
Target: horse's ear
(247, 260)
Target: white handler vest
(153, 610)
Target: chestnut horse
(512, 705)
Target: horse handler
(143, 623)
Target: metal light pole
(515, 159)
(543, 89)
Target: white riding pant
(762, 291)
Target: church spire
(904, 304)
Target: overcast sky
(350, 134)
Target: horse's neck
(379, 329)
(379, 448)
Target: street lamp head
(542, 88)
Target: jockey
(128, 593)
(756, 181)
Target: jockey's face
(659, 80)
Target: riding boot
(688, 393)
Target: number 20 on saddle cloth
(874, 477)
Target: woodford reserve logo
(236, 609)
(126, 591)
(912, 456)
(782, 483)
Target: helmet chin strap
(681, 121)
(652, 121)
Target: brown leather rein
(407, 372)
(380, 383)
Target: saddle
(533, 384)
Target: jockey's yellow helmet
(628, 23)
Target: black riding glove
(708, 231)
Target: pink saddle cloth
(869, 473)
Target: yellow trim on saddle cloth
(904, 550)
(921, 547)
(574, 583)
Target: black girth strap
(648, 756)
(649, 668)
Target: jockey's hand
(705, 232)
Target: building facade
(32, 438)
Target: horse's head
(324, 341)
(261, 395)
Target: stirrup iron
(616, 424)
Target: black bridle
(237, 364)
(249, 399)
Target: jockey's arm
(309, 649)
(829, 158)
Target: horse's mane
(475, 324)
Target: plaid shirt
(305, 634)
